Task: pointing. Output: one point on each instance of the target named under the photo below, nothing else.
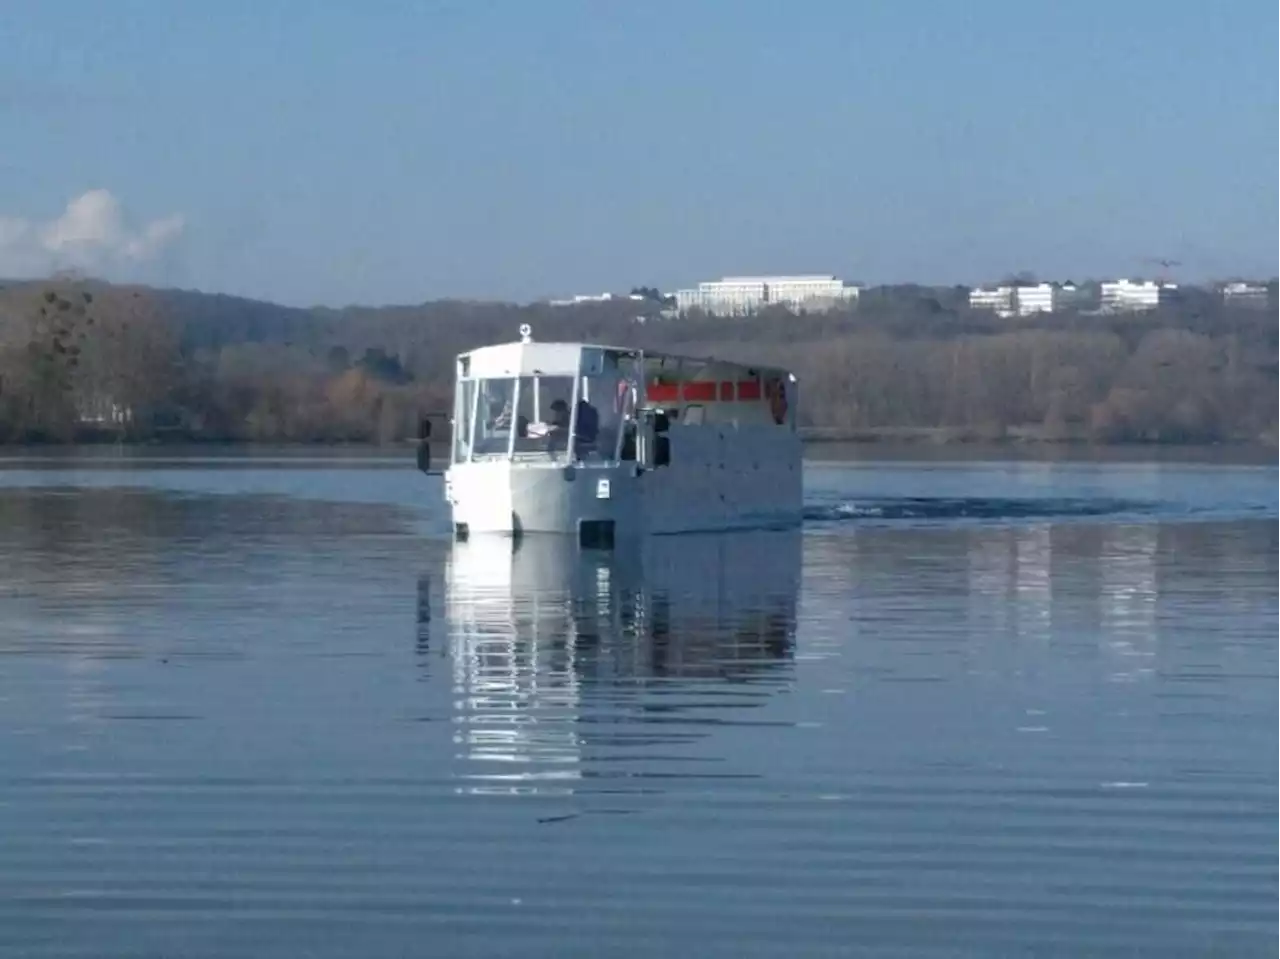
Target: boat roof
(538, 351)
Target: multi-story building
(581, 298)
(999, 299)
(741, 295)
(1240, 293)
(809, 292)
(1041, 298)
(1120, 295)
(1069, 296)
(1024, 300)
(732, 296)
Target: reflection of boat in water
(559, 653)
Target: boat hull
(716, 480)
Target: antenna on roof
(526, 333)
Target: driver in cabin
(588, 424)
(500, 415)
(558, 425)
(502, 421)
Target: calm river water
(262, 706)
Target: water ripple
(251, 722)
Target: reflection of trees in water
(558, 654)
(98, 539)
(125, 572)
(1010, 579)
(92, 575)
(1091, 591)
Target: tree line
(82, 360)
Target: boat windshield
(532, 417)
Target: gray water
(262, 706)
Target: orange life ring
(778, 401)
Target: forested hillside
(83, 360)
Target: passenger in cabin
(588, 423)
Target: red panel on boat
(725, 392)
(703, 392)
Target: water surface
(265, 707)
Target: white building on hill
(1121, 295)
(998, 299)
(741, 295)
(1024, 300)
(581, 298)
(1240, 293)
(1041, 298)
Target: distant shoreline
(1015, 436)
(908, 366)
(830, 444)
(809, 435)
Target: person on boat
(559, 415)
(558, 425)
(502, 421)
(587, 430)
(588, 423)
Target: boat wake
(950, 508)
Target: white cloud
(155, 236)
(92, 234)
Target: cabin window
(543, 414)
(606, 405)
(494, 416)
(532, 416)
(522, 416)
(462, 420)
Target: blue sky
(325, 152)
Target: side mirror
(661, 422)
(424, 429)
